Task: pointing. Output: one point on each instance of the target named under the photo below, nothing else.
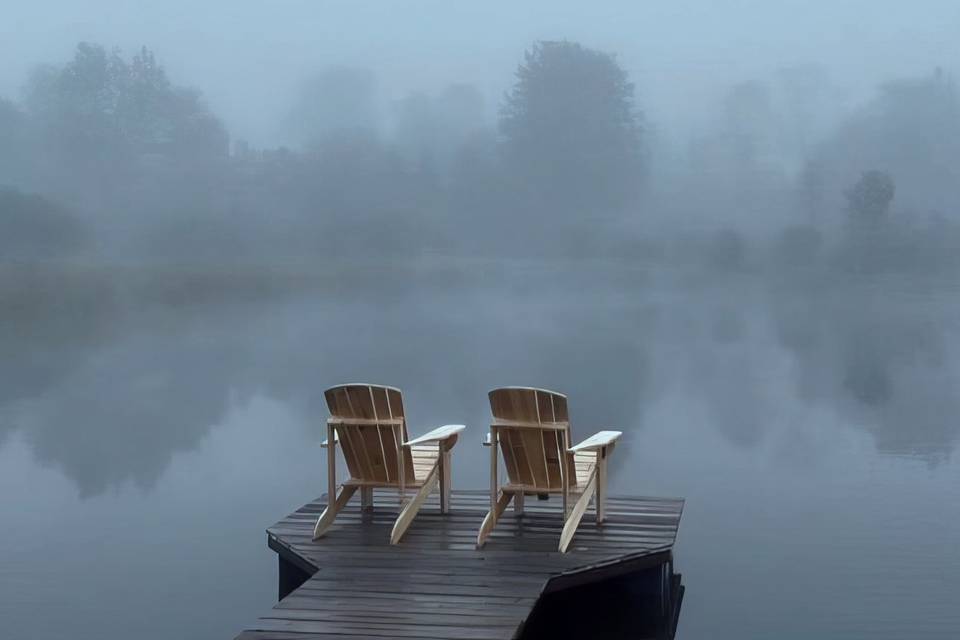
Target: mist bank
(106, 158)
(790, 230)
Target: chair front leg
(331, 465)
(402, 463)
(490, 521)
(335, 502)
(409, 511)
(494, 486)
(446, 478)
(579, 507)
(601, 497)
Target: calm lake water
(151, 427)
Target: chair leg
(518, 503)
(333, 508)
(409, 511)
(366, 498)
(600, 503)
(490, 521)
(573, 521)
(446, 483)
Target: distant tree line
(569, 168)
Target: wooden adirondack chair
(532, 430)
(368, 423)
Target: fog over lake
(730, 230)
(147, 443)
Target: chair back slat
(534, 433)
(371, 449)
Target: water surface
(154, 422)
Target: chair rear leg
(518, 503)
(330, 513)
(498, 499)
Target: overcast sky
(247, 57)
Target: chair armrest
(597, 441)
(440, 433)
(336, 440)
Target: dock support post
(289, 577)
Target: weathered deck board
(435, 584)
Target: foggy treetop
(250, 59)
(572, 160)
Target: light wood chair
(531, 429)
(368, 423)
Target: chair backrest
(371, 427)
(533, 429)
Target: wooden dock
(352, 584)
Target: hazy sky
(248, 56)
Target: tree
(107, 127)
(13, 143)
(804, 105)
(749, 123)
(430, 130)
(911, 129)
(335, 100)
(417, 132)
(100, 105)
(76, 105)
(34, 227)
(571, 132)
(869, 199)
(869, 243)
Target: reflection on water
(176, 416)
(883, 354)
